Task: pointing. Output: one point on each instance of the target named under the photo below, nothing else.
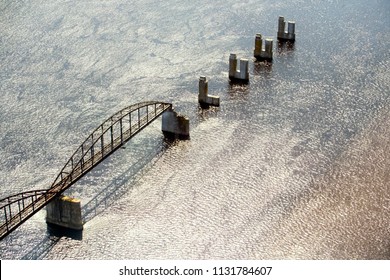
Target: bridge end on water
(65, 212)
(175, 126)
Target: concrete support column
(175, 125)
(268, 47)
(282, 34)
(281, 27)
(65, 212)
(204, 98)
(203, 88)
(232, 65)
(238, 76)
(258, 45)
(263, 54)
(244, 69)
(291, 27)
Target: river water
(294, 165)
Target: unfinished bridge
(102, 142)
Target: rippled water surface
(294, 165)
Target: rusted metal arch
(20, 196)
(15, 208)
(18, 208)
(88, 145)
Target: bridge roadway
(102, 142)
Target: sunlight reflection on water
(292, 166)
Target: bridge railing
(16, 208)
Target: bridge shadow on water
(42, 248)
(54, 234)
(102, 200)
(122, 183)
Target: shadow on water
(58, 231)
(262, 68)
(205, 112)
(54, 234)
(285, 47)
(42, 248)
(120, 185)
(234, 89)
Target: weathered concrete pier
(205, 100)
(238, 76)
(65, 212)
(175, 126)
(282, 34)
(260, 53)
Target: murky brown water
(293, 166)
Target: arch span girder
(102, 142)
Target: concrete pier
(238, 76)
(260, 53)
(65, 212)
(282, 34)
(175, 126)
(205, 100)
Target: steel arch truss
(102, 142)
